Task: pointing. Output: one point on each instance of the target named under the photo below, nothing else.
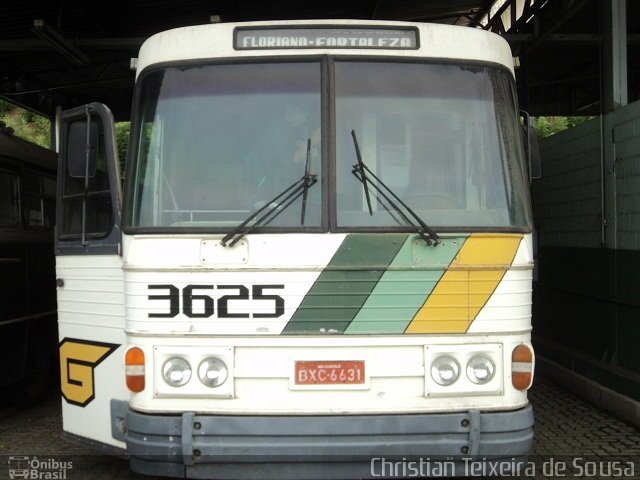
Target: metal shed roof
(558, 43)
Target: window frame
(328, 147)
(335, 227)
(134, 146)
(15, 179)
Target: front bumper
(190, 445)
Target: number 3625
(197, 301)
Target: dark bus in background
(28, 331)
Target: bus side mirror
(82, 149)
(531, 146)
(89, 192)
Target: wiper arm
(308, 181)
(360, 171)
(360, 167)
(275, 206)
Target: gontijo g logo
(78, 360)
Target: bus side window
(9, 206)
(39, 200)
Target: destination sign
(320, 38)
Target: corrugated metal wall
(587, 297)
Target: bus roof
(27, 153)
(335, 37)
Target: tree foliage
(36, 128)
(26, 124)
(122, 139)
(547, 126)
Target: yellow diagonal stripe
(466, 286)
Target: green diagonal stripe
(405, 286)
(345, 284)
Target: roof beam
(28, 44)
(577, 6)
(578, 38)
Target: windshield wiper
(276, 205)
(362, 173)
(308, 181)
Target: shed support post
(614, 56)
(614, 96)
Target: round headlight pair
(212, 372)
(445, 369)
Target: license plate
(329, 372)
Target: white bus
(320, 264)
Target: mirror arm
(532, 148)
(87, 154)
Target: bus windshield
(216, 143)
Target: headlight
(213, 372)
(176, 371)
(445, 370)
(480, 369)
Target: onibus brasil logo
(40, 469)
